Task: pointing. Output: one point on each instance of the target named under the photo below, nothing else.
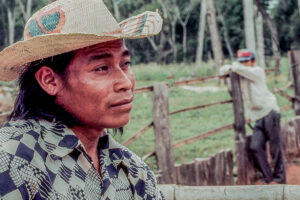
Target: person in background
(261, 107)
(75, 82)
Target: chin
(118, 124)
(122, 124)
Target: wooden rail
(143, 130)
(285, 95)
(188, 82)
(207, 134)
(195, 138)
(201, 136)
(181, 83)
(201, 106)
(138, 134)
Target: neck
(89, 137)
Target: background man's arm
(251, 73)
(225, 69)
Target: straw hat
(67, 25)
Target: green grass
(149, 74)
(191, 123)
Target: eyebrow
(126, 53)
(106, 55)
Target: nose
(122, 81)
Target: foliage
(287, 19)
(285, 14)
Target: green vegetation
(191, 123)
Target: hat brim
(14, 58)
(242, 59)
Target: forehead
(115, 45)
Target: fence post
(239, 129)
(294, 57)
(163, 138)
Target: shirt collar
(59, 139)
(116, 152)
(65, 141)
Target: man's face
(248, 63)
(99, 86)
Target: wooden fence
(215, 170)
(168, 172)
(290, 137)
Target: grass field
(191, 123)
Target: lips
(123, 104)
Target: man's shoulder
(19, 130)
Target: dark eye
(100, 69)
(126, 64)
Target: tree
(183, 19)
(260, 48)
(116, 9)
(171, 16)
(231, 23)
(249, 24)
(286, 15)
(3, 25)
(225, 35)
(214, 33)
(26, 11)
(11, 19)
(201, 32)
(273, 29)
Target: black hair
(33, 102)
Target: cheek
(132, 79)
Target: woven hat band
(69, 16)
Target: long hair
(33, 102)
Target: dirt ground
(293, 172)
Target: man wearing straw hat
(261, 107)
(75, 82)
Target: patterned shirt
(43, 160)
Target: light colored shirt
(43, 160)
(259, 101)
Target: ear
(49, 81)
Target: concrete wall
(249, 192)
